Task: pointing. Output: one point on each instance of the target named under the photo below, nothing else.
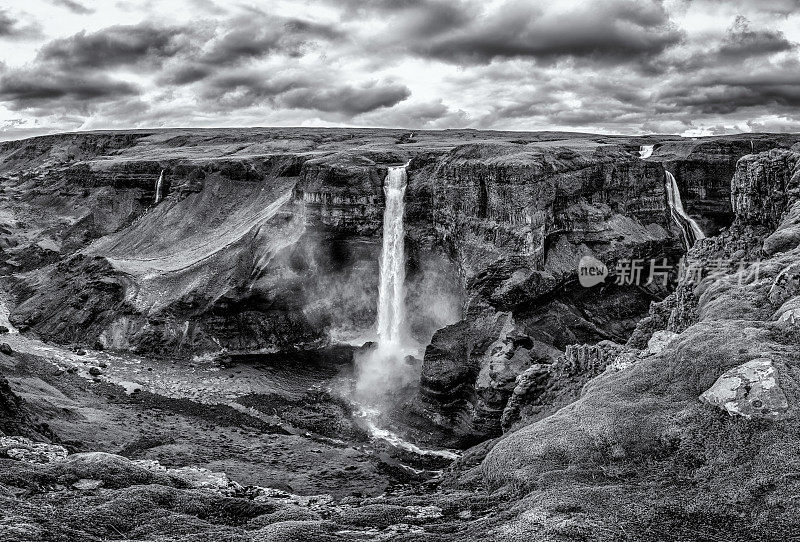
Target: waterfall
(159, 182)
(689, 227)
(4, 315)
(646, 151)
(391, 292)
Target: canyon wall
(268, 240)
(711, 399)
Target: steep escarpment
(269, 239)
(690, 437)
(518, 219)
(240, 254)
(704, 167)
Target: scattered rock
(95, 371)
(6, 349)
(658, 341)
(114, 470)
(750, 390)
(85, 484)
(28, 451)
(4, 329)
(194, 477)
(622, 362)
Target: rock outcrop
(751, 390)
(518, 219)
(712, 401)
(703, 169)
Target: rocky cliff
(710, 402)
(703, 169)
(269, 239)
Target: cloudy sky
(612, 66)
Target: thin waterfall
(690, 229)
(391, 293)
(4, 316)
(159, 184)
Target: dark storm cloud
(301, 91)
(741, 41)
(776, 86)
(115, 46)
(73, 6)
(256, 38)
(610, 29)
(21, 89)
(347, 99)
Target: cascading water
(646, 151)
(391, 293)
(689, 227)
(159, 184)
(382, 368)
(4, 315)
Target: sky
(691, 67)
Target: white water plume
(391, 294)
(689, 227)
(646, 151)
(4, 315)
(385, 366)
(159, 185)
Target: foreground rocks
(97, 495)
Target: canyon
(210, 290)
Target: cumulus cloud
(73, 6)
(606, 29)
(118, 45)
(681, 66)
(741, 41)
(46, 90)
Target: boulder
(750, 390)
(113, 470)
(659, 341)
(786, 285)
(6, 349)
(787, 236)
(28, 451)
(86, 484)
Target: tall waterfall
(159, 184)
(689, 227)
(391, 293)
(646, 151)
